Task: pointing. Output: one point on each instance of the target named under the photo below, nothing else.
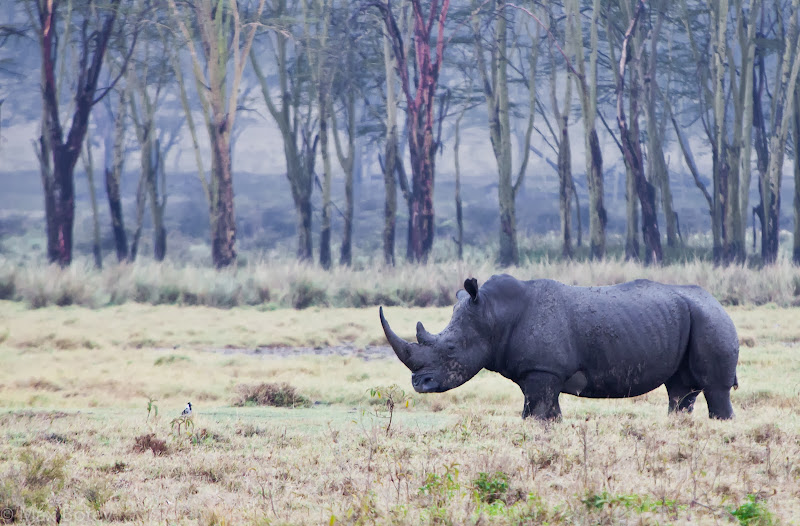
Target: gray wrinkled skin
(596, 342)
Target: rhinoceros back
(629, 338)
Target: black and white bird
(187, 412)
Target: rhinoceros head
(440, 362)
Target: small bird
(187, 412)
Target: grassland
(75, 384)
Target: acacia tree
(771, 142)
(391, 161)
(217, 27)
(419, 79)
(88, 164)
(495, 84)
(59, 152)
(647, 75)
(631, 197)
(347, 154)
(742, 147)
(560, 135)
(588, 98)
(796, 137)
(295, 113)
(629, 137)
(112, 132)
(321, 68)
(147, 79)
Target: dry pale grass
(276, 283)
(627, 464)
(75, 384)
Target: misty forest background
(349, 132)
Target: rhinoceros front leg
(541, 392)
(681, 395)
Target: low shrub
(8, 285)
(305, 293)
(149, 441)
(752, 512)
(276, 395)
(490, 487)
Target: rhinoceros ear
(461, 295)
(471, 286)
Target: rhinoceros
(598, 342)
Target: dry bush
(149, 441)
(39, 384)
(276, 395)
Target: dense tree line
(334, 75)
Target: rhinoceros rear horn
(471, 286)
(403, 349)
(423, 336)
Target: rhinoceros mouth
(425, 383)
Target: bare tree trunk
(348, 164)
(44, 153)
(141, 200)
(88, 164)
(631, 216)
(459, 239)
(390, 155)
(325, 220)
(223, 230)
(796, 137)
(632, 150)
(762, 152)
(744, 131)
(565, 188)
(157, 202)
(390, 203)
(597, 210)
(301, 194)
(114, 145)
(346, 252)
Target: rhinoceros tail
(735, 381)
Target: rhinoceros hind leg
(681, 396)
(719, 402)
(541, 392)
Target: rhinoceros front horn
(403, 349)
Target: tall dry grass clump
(275, 283)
